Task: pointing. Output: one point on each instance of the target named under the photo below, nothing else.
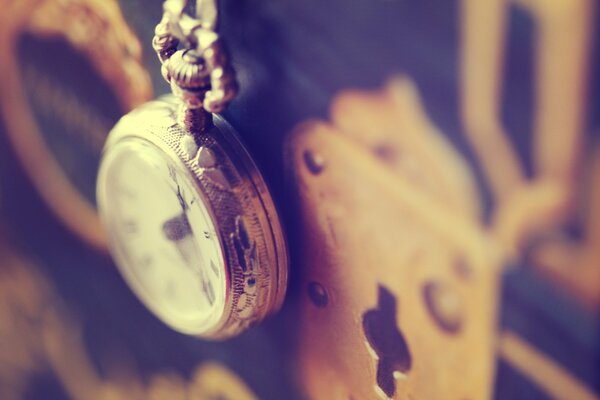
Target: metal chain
(200, 72)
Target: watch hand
(180, 196)
(181, 199)
(178, 230)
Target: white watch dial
(163, 235)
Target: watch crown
(190, 81)
(188, 71)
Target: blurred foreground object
(71, 69)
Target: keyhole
(387, 341)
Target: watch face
(163, 235)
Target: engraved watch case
(240, 206)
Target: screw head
(314, 162)
(444, 306)
(317, 294)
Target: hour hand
(177, 228)
(179, 231)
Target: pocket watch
(191, 223)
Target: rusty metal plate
(399, 281)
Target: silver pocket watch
(190, 220)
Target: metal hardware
(199, 73)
